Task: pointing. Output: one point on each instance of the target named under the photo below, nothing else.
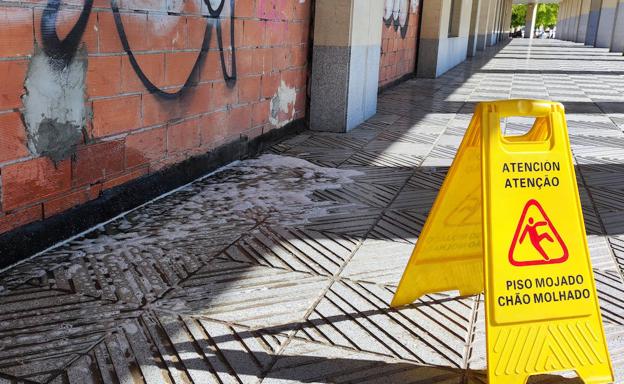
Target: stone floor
(280, 269)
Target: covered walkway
(281, 270)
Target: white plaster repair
(54, 105)
(283, 104)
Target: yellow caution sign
(508, 220)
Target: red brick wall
(129, 131)
(398, 53)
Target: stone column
(474, 27)
(617, 39)
(531, 16)
(484, 20)
(592, 24)
(345, 63)
(583, 20)
(606, 23)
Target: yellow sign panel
(508, 220)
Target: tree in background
(518, 15)
(546, 15)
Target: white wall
(453, 50)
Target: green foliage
(518, 15)
(547, 15)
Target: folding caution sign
(508, 221)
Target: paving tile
(379, 261)
(245, 294)
(356, 315)
(316, 363)
(319, 253)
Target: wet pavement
(280, 269)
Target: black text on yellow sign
(508, 221)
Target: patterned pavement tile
(356, 315)
(320, 253)
(157, 348)
(245, 294)
(379, 261)
(311, 362)
(43, 330)
(399, 225)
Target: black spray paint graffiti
(397, 14)
(62, 52)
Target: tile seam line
(102, 224)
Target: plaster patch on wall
(54, 105)
(283, 105)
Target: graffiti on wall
(397, 14)
(215, 15)
(55, 112)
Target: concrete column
(474, 27)
(497, 30)
(484, 19)
(592, 23)
(345, 63)
(559, 17)
(583, 20)
(499, 21)
(531, 16)
(606, 23)
(576, 14)
(567, 29)
(617, 39)
(501, 13)
(564, 33)
(561, 20)
(508, 18)
(491, 38)
(569, 26)
(439, 52)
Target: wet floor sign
(508, 221)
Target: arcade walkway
(281, 269)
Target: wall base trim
(395, 82)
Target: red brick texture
(132, 132)
(398, 54)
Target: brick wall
(398, 46)
(114, 126)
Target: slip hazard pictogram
(536, 240)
